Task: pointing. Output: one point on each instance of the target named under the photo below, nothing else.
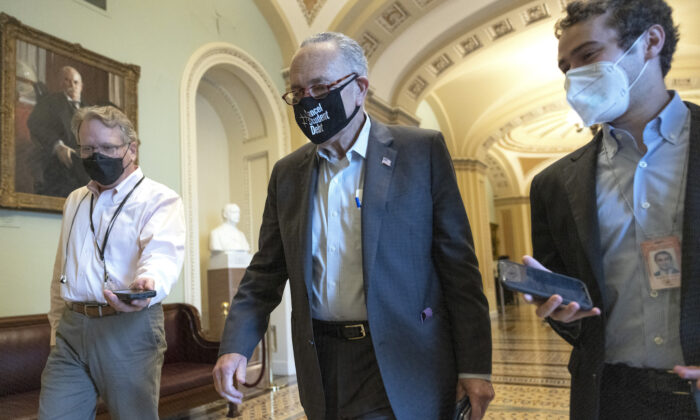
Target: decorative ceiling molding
(385, 113)
(473, 165)
(541, 129)
(441, 64)
(497, 176)
(536, 13)
(417, 87)
(369, 43)
(424, 3)
(460, 48)
(374, 25)
(684, 83)
(310, 9)
(500, 29)
(468, 45)
(392, 17)
(510, 201)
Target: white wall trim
(252, 73)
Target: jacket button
(311, 342)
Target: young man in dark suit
(599, 213)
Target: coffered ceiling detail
(310, 8)
(392, 17)
(460, 47)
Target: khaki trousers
(118, 357)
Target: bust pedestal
(226, 269)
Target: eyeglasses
(108, 150)
(319, 91)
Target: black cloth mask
(321, 119)
(103, 169)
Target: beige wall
(160, 37)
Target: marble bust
(226, 237)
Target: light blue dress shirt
(640, 197)
(338, 286)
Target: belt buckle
(363, 333)
(97, 305)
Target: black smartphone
(543, 284)
(463, 409)
(127, 295)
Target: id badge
(662, 258)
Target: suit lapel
(690, 284)
(379, 167)
(581, 191)
(308, 178)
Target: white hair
(351, 51)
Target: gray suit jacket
(566, 239)
(417, 254)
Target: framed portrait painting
(44, 81)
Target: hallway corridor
(529, 376)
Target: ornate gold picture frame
(44, 80)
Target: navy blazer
(566, 239)
(417, 253)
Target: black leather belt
(655, 380)
(92, 309)
(349, 330)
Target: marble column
(471, 178)
(513, 218)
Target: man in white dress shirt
(121, 230)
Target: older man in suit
(599, 214)
(388, 315)
(58, 167)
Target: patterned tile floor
(529, 376)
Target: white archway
(258, 81)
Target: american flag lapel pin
(386, 161)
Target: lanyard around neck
(102, 249)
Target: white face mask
(600, 92)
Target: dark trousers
(634, 393)
(352, 383)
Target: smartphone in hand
(543, 284)
(463, 409)
(127, 295)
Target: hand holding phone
(127, 295)
(554, 307)
(463, 409)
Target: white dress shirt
(147, 240)
(338, 285)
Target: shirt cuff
(484, 376)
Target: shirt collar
(672, 119)
(358, 148)
(120, 190)
(668, 124)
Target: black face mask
(103, 169)
(321, 119)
